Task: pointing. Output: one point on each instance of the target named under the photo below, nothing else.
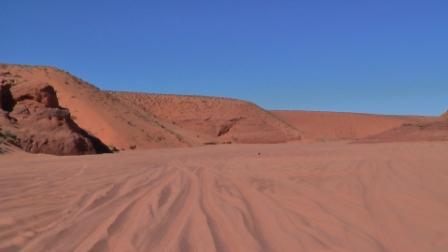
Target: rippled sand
(286, 197)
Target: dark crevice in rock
(225, 128)
(7, 101)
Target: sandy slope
(290, 197)
(216, 119)
(430, 131)
(125, 120)
(343, 126)
(434, 129)
(97, 112)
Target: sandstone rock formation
(31, 113)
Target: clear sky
(364, 56)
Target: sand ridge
(216, 119)
(336, 126)
(429, 131)
(128, 121)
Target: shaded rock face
(32, 113)
(6, 100)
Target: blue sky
(364, 56)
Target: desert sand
(193, 173)
(278, 197)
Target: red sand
(330, 126)
(290, 197)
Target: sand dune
(328, 126)
(125, 121)
(97, 112)
(215, 119)
(435, 129)
(429, 131)
(283, 197)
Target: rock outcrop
(32, 114)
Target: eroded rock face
(32, 113)
(39, 92)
